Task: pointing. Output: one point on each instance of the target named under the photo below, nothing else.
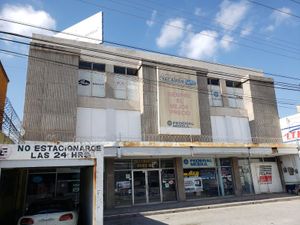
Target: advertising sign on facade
(49, 151)
(290, 128)
(198, 162)
(193, 184)
(265, 174)
(91, 83)
(178, 103)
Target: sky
(258, 34)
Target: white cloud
(28, 15)
(199, 12)
(171, 32)
(151, 21)
(279, 18)
(201, 45)
(247, 30)
(231, 14)
(226, 42)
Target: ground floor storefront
(140, 181)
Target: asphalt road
(273, 213)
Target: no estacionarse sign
(49, 151)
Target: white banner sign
(198, 162)
(49, 151)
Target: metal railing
(11, 125)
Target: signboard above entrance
(198, 162)
(49, 151)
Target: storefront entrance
(146, 186)
(144, 181)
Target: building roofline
(4, 72)
(144, 54)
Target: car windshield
(49, 206)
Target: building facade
(174, 129)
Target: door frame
(146, 185)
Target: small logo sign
(169, 123)
(84, 82)
(216, 94)
(186, 161)
(3, 152)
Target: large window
(235, 94)
(215, 97)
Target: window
(125, 70)
(234, 84)
(215, 97)
(119, 69)
(99, 67)
(132, 71)
(235, 94)
(85, 65)
(91, 66)
(212, 81)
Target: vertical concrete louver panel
(149, 116)
(204, 108)
(262, 110)
(51, 95)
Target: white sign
(193, 184)
(88, 30)
(49, 151)
(178, 103)
(198, 162)
(91, 83)
(290, 128)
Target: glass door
(154, 186)
(146, 186)
(139, 186)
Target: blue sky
(231, 32)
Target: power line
(286, 46)
(286, 87)
(295, 1)
(132, 47)
(265, 100)
(274, 9)
(189, 30)
(286, 42)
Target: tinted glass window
(99, 67)
(85, 65)
(132, 71)
(236, 84)
(213, 81)
(119, 70)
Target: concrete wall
(51, 95)
(204, 108)
(260, 103)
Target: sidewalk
(195, 205)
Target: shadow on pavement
(134, 220)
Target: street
(275, 213)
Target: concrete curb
(202, 207)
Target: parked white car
(50, 212)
